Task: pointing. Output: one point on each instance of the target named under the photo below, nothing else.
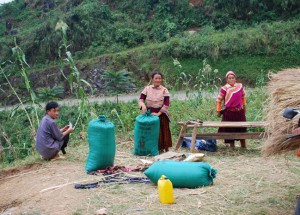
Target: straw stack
(284, 91)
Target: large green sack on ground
(146, 134)
(101, 138)
(182, 174)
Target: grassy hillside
(99, 26)
(249, 38)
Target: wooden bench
(241, 135)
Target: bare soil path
(246, 183)
(180, 95)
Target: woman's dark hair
(51, 105)
(156, 73)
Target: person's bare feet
(58, 157)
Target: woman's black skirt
(229, 116)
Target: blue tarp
(206, 145)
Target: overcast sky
(5, 1)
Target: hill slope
(143, 36)
(101, 26)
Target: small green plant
(117, 82)
(184, 78)
(47, 93)
(114, 112)
(261, 79)
(206, 80)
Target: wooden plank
(194, 135)
(229, 124)
(229, 136)
(181, 135)
(214, 124)
(234, 124)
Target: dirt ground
(246, 183)
(25, 189)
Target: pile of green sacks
(101, 138)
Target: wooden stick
(62, 185)
(4, 134)
(1, 149)
(194, 135)
(74, 182)
(181, 135)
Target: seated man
(50, 139)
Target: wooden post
(181, 135)
(194, 135)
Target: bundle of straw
(284, 91)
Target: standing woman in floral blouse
(157, 98)
(234, 97)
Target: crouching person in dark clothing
(50, 139)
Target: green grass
(245, 180)
(17, 126)
(248, 68)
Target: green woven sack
(182, 174)
(146, 134)
(101, 138)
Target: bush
(129, 37)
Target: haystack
(284, 91)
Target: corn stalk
(20, 57)
(115, 112)
(76, 83)
(18, 97)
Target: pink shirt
(232, 95)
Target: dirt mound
(12, 172)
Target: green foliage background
(251, 37)
(138, 34)
(16, 124)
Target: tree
(117, 82)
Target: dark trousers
(65, 144)
(297, 209)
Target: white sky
(5, 1)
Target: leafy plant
(207, 78)
(20, 57)
(117, 82)
(31, 111)
(183, 77)
(261, 79)
(75, 81)
(114, 112)
(47, 93)
(205, 81)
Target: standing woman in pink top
(234, 97)
(157, 98)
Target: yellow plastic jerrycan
(165, 190)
